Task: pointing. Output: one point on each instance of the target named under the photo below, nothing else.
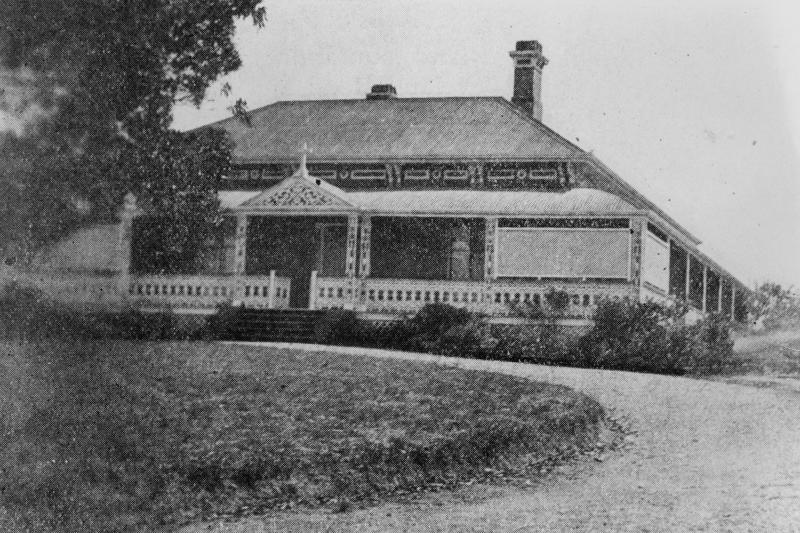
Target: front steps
(285, 325)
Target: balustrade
(206, 291)
(332, 293)
(408, 295)
(257, 292)
(583, 299)
(180, 291)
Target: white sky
(693, 103)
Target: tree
(95, 82)
(775, 307)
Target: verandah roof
(575, 202)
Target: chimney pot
(384, 91)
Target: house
(398, 202)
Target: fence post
(312, 296)
(271, 295)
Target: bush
(220, 324)
(442, 329)
(650, 337)
(713, 346)
(341, 327)
(541, 343)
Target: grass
(125, 436)
(772, 353)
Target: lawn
(117, 436)
(771, 353)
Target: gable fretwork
(525, 175)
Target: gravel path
(708, 456)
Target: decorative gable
(297, 193)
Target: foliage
(540, 343)
(442, 329)
(553, 307)
(773, 353)
(713, 346)
(219, 325)
(177, 179)
(625, 335)
(123, 435)
(341, 327)
(94, 83)
(774, 307)
(650, 337)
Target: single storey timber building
(399, 202)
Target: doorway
(294, 246)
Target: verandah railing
(206, 292)
(203, 293)
(497, 297)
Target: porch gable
(298, 192)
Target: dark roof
(397, 128)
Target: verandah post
(688, 277)
(365, 261)
(705, 288)
(312, 291)
(271, 296)
(353, 261)
(490, 259)
(240, 261)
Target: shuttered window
(563, 253)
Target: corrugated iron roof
(397, 128)
(575, 202)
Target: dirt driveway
(708, 456)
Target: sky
(696, 104)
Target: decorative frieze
(394, 174)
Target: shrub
(650, 337)
(219, 325)
(341, 327)
(713, 346)
(442, 329)
(542, 343)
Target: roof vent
(382, 92)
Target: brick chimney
(382, 92)
(528, 64)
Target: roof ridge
(386, 100)
(348, 100)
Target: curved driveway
(707, 456)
